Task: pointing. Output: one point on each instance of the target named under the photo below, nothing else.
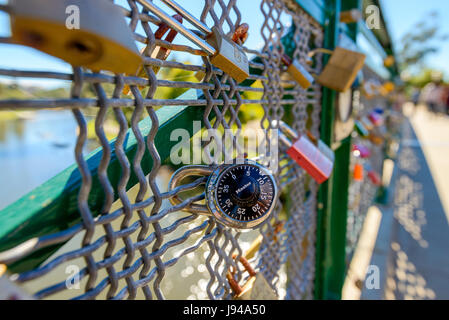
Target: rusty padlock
(317, 163)
(223, 52)
(342, 68)
(159, 52)
(9, 290)
(255, 288)
(101, 41)
(298, 72)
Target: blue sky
(401, 15)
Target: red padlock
(376, 118)
(374, 177)
(308, 155)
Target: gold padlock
(255, 288)
(101, 41)
(239, 37)
(223, 52)
(342, 68)
(350, 16)
(298, 72)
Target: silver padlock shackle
(188, 16)
(285, 128)
(191, 170)
(179, 27)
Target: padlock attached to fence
(351, 16)
(361, 151)
(100, 41)
(9, 290)
(240, 196)
(318, 163)
(239, 37)
(255, 288)
(342, 68)
(223, 52)
(361, 129)
(374, 177)
(298, 72)
(159, 53)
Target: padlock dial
(243, 195)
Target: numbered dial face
(245, 192)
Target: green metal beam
(327, 120)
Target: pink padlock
(361, 151)
(305, 153)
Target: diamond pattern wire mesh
(140, 246)
(362, 193)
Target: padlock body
(229, 56)
(342, 69)
(376, 118)
(374, 177)
(103, 41)
(257, 288)
(311, 159)
(360, 128)
(300, 74)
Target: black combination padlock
(240, 196)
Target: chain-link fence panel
(131, 243)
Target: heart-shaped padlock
(240, 196)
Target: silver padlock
(224, 53)
(101, 41)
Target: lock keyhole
(79, 46)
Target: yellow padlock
(91, 34)
(256, 287)
(342, 68)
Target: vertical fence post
(333, 194)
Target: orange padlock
(358, 172)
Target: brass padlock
(239, 37)
(103, 40)
(350, 16)
(223, 52)
(9, 290)
(255, 288)
(298, 72)
(342, 68)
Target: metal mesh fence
(362, 193)
(141, 246)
